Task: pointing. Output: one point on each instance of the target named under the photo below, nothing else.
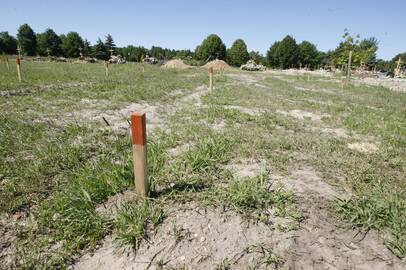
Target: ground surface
(270, 170)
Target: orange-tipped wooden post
(211, 78)
(139, 140)
(19, 69)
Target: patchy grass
(57, 171)
(134, 220)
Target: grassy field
(279, 151)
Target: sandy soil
(199, 238)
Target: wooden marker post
(139, 140)
(398, 65)
(349, 67)
(106, 67)
(18, 69)
(8, 66)
(211, 78)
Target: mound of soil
(176, 63)
(217, 65)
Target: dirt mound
(217, 64)
(176, 63)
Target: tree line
(286, 53)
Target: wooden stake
(397, 70)
(106, 67)
(18, 69)
(349, 67)
(139, 140)
(8, 66)
(211, 78)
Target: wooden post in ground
(349, 67)
(106, 67)
(7, 65)
(18, 69)
(398, 65)
(211, 78)
(139, 141)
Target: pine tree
(109, 43)
(100, 50)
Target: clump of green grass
(254, 197)
(208, 153)
(70, 215)
(134, 220)
(380, 210)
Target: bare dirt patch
(391, 83)
(245, 78)
(194, 97)
(180, 149)
(302, 115)
(118, 120)
(335, 132)
(192, 238)
(307, 181)
(109, 208)
(326, 91)
(199, 238)
(249, 111)
(363, 147)
(322, 242)
(247, 167)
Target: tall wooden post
(106, 67)
(18, 69)
(398, 65)
(7, 65)
(211, 78)
(139, 141)
(349, 67)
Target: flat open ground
(267, 171)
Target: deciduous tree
(27, 40)
(71, 43)
(8, 44)
(211, 48)
(238, 55)
(48, 41)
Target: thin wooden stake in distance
(106, 67)
(211, 78)
(139, 141)
(349, 67)
(7, 65)
(18, 69)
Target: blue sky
(182, 24)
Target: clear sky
(182, 24)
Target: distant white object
(117, 59)
(252, 66)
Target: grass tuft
(134, 220)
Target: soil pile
(217, 64)
(176, 63)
